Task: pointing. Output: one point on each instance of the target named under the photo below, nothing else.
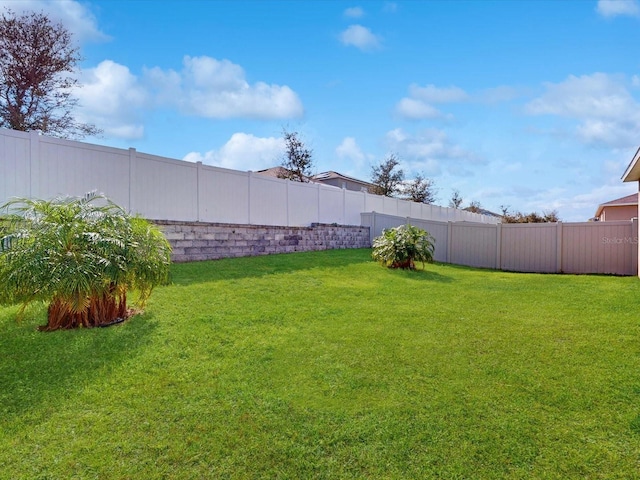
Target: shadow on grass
(39, 367)
(429, 276)
(421, 275)
(247, 267)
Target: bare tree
(385, 178)
(37, 63)
(298, 159)
(420, 190)
(456, 199)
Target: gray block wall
(196, 241)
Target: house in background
(624, 208)
(332, 178)
(342, 181)
(277, 172)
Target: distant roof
(628, 200)
(331, 174)
(618, 202)
(632, 173)
(271, 172)
(277, 172)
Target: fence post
(373, 227)
(34, 159)
(449, 240)
(132, 156)
(318, 220)
(499, 246)
(559, 247)
(286, 200)
(344, 206)
(250, 174)
(198, 190)
(635, 256)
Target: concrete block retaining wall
(195, 241)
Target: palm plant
(81, 255)
(402, 246)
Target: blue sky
(529, 104)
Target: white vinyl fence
(589, 247)
(160, 188)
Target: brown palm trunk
(103, 309)
(405, 264)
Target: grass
(326, 365)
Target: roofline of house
(603, 205)
(347, 177)
(632, 173)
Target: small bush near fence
(402, 246)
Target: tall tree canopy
(298, 159)
(37, 63)
(420, 190)
(387, 180)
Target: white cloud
(606, 111)
(418, 105)
(354, 12)
(111, 98)
(413, 109)
(74, 15)
(429, 150)
(360, 37)
(614, 8)
(433, 94)
(218, 89)
(349, 150)
(243, 151)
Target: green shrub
(401, 246)
(81, 256)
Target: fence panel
(303, 203)
(373, 203)
(473, 244)
(268, 199)
(439, 214)
(404, 208)
(165, 189)
(62, 167)
(223, 195)
(600, 247)
(354, 205)
(529, 247)
(331, 202)
(15, 171)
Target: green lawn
(326, 365)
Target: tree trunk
(103, 309)
(405, 264)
